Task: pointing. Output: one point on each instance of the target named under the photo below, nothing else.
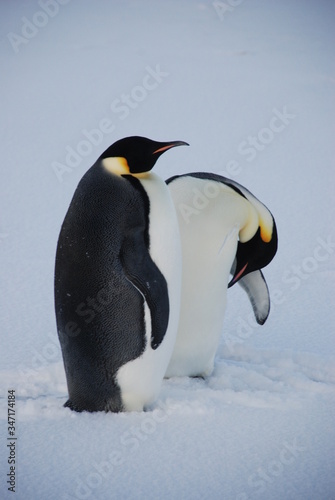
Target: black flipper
(255, 285)
(149, 281)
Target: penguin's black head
(139, 153)
(254, 254)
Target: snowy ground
(262, 426)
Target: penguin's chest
(140, 379)
(204, 298)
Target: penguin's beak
(169, 145)
(238, 275)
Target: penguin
(224, 230)
(118, 280)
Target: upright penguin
(118, 280)
(223, 229)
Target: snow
(262, 426)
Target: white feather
(140, 379)
(211, 217)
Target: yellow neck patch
(266, 231)
(258, 217)
(117, 165)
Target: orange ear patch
(266, 233)
(116, 165)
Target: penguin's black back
(106, 225)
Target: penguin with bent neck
(224, 230)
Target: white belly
(209, 227)
(140, 380)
